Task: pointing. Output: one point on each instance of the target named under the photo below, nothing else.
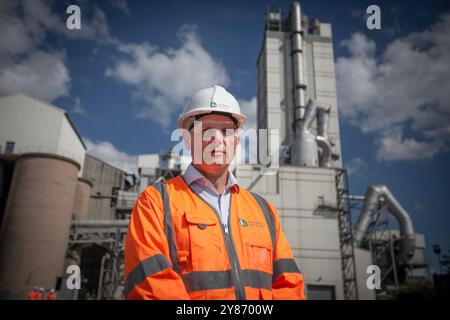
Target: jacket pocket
(259, 255)
(205, 242)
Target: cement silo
(36, 223)
(82, 196)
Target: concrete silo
(35, 229)
(82, 197)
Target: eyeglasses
(208, 128)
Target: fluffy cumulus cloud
(107, 152)
(26, 65)
(163, 80)
(400, 95)
(41, 74)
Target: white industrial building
(28, 125)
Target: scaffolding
(346, 235)
(110, 236)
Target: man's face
(213, 141)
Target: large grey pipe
(310, 113)
(324, 144)
(304, 147)
(323, 119)
(374, 195)
(297, 61)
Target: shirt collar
(192, 174)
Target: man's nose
(216, 135)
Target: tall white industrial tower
(296, 94)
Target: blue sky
(127, 74)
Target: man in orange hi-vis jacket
(32, 295)
(202, 236)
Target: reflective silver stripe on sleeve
(168, 225)
(284, 265)
(145, 268)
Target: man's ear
(187, 139)
(238, 139)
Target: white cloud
(25, 66)
(163, 80)
(248, 108)
(393, 146)
(405, 88)
(106, 152)
(356, 165)
(77, 107)
(41, 74)
(15, 37)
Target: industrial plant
(60, 206)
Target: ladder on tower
(346, 236)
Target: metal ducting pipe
(310, 113)
(324, 144)
(297, 62)
(374, 195)
(304, 147)
(323, 119)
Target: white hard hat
(53, 290)
(212, 99)
(41, 289)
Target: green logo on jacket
(243, 223)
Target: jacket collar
(192, 175)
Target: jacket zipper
(231, 250)
(240, 289)
(232, 255)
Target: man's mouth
(217, 153)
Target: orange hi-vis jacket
(51, 296)
(32, 295)
(177, 248)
